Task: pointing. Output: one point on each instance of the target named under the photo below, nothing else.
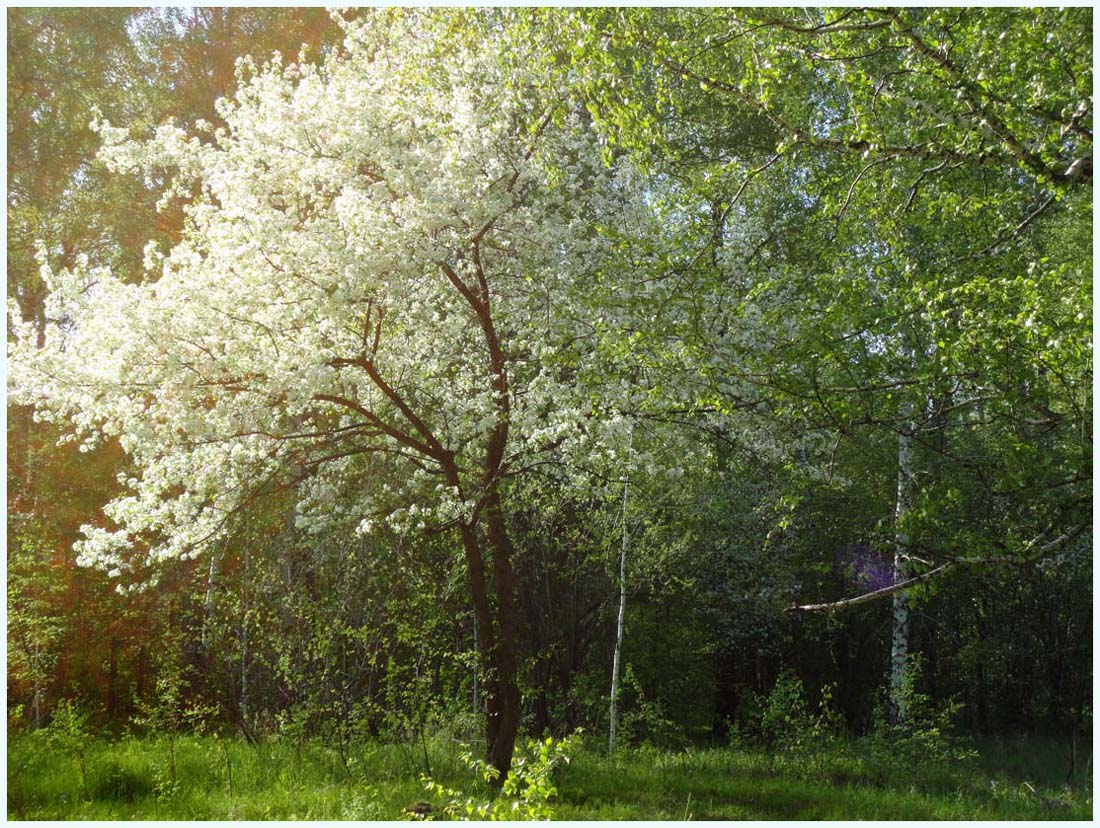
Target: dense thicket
(818, 323)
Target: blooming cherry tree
(382, 277)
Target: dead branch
(833, 606)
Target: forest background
(866, 359)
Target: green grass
(216, 778)
(836, 784)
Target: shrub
(645, 720)
(786, 720)
(528, 792)
(364, 807)
(68, 734)
(928, 733)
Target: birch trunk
(208, 598)
(899, 649)
(621, 621)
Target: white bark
(899, 586)
(621, 620)
(208, 599)
(899, 649)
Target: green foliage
(115, 778)
(787, 722)
(644, 720)
(929, 731)
(35, 623)
(816, 269)
(527, 792)
(785, 719)
(69, 735)
(364, 806)
(168, 714)
(169, 711)
(273, 782)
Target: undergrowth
(64, 773)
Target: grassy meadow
(208, 777)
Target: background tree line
(891, 231)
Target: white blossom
(331, 207)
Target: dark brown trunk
(496, 653)
(501, 747)
(496, 643)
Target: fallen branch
(833, 606)
(1015, 560)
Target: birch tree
(920, 182)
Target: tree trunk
(476, 703)
(208, 597)
(496, 648)
(112, 678)
(899, 649)
(38, 689)
(244, 644)
(501, 748)
(613, 713)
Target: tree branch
(1019, 228)
(973, 95)
(869, 596)
(1015, 560)
(378, 423)
(433, 447)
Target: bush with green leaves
(644, 719)
(167, 715)
(528, 791)
(928, 732)
(68, 734)
(787, 720)
(364, 806)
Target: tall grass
(227, 778)
(843, 781)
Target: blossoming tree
(378, 302)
